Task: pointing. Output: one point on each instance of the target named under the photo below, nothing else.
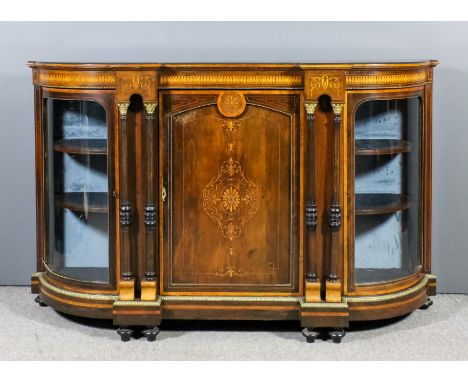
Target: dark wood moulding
(75, 201)
(82, 146)
(377, 204)
(382, 146)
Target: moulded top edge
(233, 66)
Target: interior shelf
(377, 204)
(380, 275)
(96, 274)
(82, 146)
(381, 146)
(75, 201)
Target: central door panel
(231, 213)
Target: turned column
(149, 285)
(311, 215)
(333, 282)
(127, 281)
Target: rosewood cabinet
(234, 191)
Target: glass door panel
(387, 190)
(77, 189)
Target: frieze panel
(324, 82)
(385, 79)
(142, 83)
(265, 80)
(75, 79)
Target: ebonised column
(311, 214)
(335, 208)
(151, 211)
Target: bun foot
(39, 300)
(426, 304)
(125, 334)
(337, 335)
(310, 335)
(150, 333)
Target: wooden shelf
(382, 146)
(93, 274)
(381, 275)
(377, 204)
(75, 201)
(82, 146)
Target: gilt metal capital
(337, 108)
(310, 107)
(123, 108)
(150, 107)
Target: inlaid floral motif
(231, 103)
(230, 269)
(230, 199)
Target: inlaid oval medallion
(231, 104)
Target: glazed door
(386, 175)
(78, 199)
(231, 192)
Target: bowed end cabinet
(234, 192)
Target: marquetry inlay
(326, 82)
(214, 80)
(135, 82)
(230, 199)
(386, 80)
(142, 83)
(76, 79)
(231, 104)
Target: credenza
(234, 192)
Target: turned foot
(310, 335)
(150, 333)
(39, 300)
(336, 335)
(426, 304)
(125, 334)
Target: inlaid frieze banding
(78, 80)
(245, 81)
(356, 81)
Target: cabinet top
(314, 79)
(400, 64)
